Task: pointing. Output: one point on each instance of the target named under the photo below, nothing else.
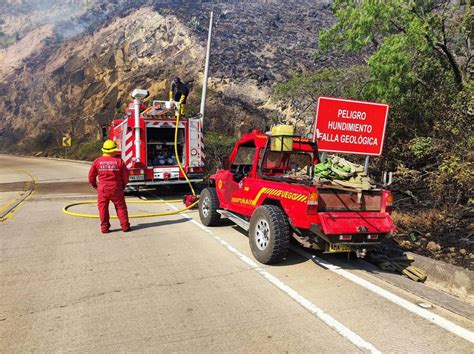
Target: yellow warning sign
(67, 141)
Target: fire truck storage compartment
(160, 146)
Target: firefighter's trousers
(115, 194)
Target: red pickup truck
(268, 189)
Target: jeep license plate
(335, 248)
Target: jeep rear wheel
(208, 205)
(269, 234)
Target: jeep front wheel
(269, 234)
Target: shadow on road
(165, 191)
(291, 259)
(76, 187)
(142, 226)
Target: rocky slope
(71, 74)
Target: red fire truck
(146, 139)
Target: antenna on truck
(206, 71)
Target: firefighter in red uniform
(113, 177)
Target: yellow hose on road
(148, 215)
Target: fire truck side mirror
(104, 133)
(225, 163)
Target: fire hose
(148, 215)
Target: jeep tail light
(313, 198)
(372, 237)
(345, 237)
(389, 203)
(313, 203)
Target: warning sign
(67, 141)
(346, 126)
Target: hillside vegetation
(72, 74)
(418, 59)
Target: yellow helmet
(109, 147)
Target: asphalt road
(173, 285)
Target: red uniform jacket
(111, 171)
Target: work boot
(127, 229)
(104, 228)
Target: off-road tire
(274, 248)
(208, 205)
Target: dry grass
(438, 234)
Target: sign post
(352, 127)
(66, 142)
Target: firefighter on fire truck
(179, 93)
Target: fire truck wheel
(208, 205)
(269, 234)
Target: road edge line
(11, 208)
(424, 313)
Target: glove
(181, 100)
(171, 95)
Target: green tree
(217, 146)
(412, 41)
(301, 92)
(419, 57)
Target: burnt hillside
(71, 66)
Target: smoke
(22, 16)
(68, 29)
(65, 16)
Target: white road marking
(308, 305)
(428, 315)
